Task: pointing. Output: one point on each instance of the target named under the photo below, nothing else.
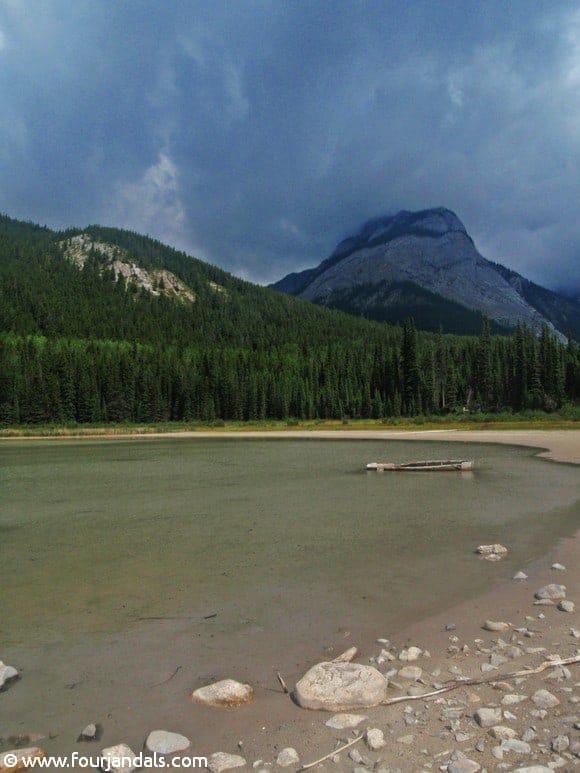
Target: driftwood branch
(331, 754)
(494, 678)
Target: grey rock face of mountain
(432, 250)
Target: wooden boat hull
(447, 465)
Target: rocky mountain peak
(434, 223)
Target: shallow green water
(97, 535)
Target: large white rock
(224, 694)
(545, 700)
(222, 761)
(7, 674)
(164, 742)
(118, 759)
(340, 687)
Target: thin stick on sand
(331, 754)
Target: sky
(256, 134)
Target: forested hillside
(80, 344)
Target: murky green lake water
(95, 536)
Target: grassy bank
(567, 419)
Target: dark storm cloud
(257, 134)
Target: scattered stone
(344, 721)
(497, 660)
(575, 632)
(19, 759)
(534, 769)
(492, 552)
(487, 717)
(7, 674)
(224, 694)
(516, 746)
(221, 761)
(463, 765)
(347, 656)
(543, 603)
(502, 732)
(91, 732)
(375, 739)
(412, 653)
(118, 759)
(164, 742)
(551, 591)
(410, 672)
(492, 625)
(341, 686)
(560, 743)
(559, 567)
(288, 757)
(407, 740)
(520, 576)
(486, 668)
(512, 700)
(566, 606)
(544, 699)
(450, 627)
(529, 735)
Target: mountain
(424, 264)
(108, 283)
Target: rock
(7, 674)
(559, 567)
(450, 627)
(91, 732)
(487, 717)
(529, 735)
(344, 721)
(407, 740)
(534, 769)
(341, 686)
(221, 761)
(497, 660)
(347, 656)
(164, 742)
(515, 746)
(575, 632)
(502, 732)
(19, 759)
(410, 672)
(375, 739)
(544, 699)
(543, 603)
(566, 606)
(224, 694)
(512, 700)
(118, 759)
(463, 765)
(497, 550)
(412, 653)
(492, 625)
(551, 591)
(287, 757)
(560, 743)
(520, 576)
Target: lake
(124, 560)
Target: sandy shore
(556, 445)
(421, 735)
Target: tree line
(60, 380)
